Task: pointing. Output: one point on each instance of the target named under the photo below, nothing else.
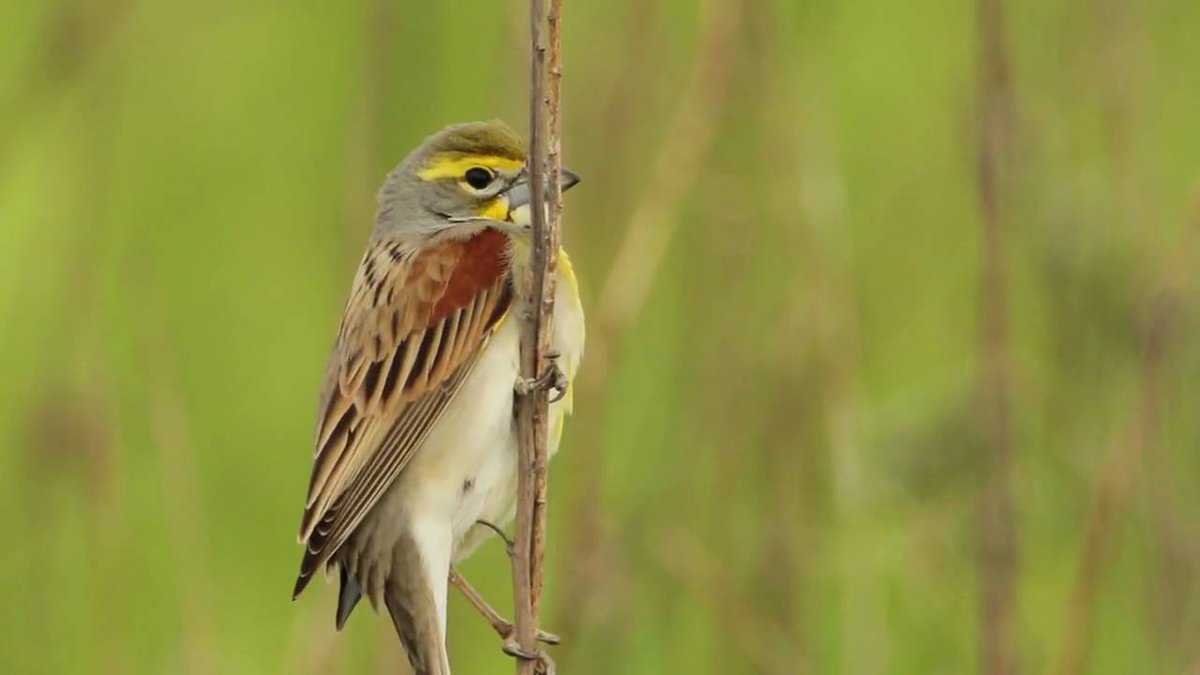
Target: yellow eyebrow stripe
(454, 165)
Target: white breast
(466, 471)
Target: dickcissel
(416, 444)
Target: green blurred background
(798, 445)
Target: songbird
(416, 444)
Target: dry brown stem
(538, 291)
(997, 535)
(676, 169)
(677, 163)
(764, 643)
(1127, 455)
(1121, 468)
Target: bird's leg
(552, 378)
(509, 544)
(505, 629)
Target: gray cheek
(464, 204)
(444, 198)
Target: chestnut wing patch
(413, 328)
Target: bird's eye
(478, 177)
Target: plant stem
(538, 287)
(997, 528)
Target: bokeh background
(893, 313)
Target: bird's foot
(545, 664)
(552, 378)
(508, 633)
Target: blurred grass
(774, 465)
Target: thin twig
(1113, 487)
(364, 129)
(764, 643)
(538, 285)
(1127, 455)
(173, 436)
(685, 144)
(997, 536)
(676, 169)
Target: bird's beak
(520, 194)
(569, 179)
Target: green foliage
(774, 464)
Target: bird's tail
(415, 614)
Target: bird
(415, 461)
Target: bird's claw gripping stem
(552, 378)
(545, 664)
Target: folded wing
(414, 327)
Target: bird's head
(461, 176)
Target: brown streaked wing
(413, 328)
